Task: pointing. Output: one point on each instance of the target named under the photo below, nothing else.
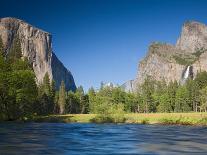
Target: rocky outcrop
(37, 47)
(176, 62)
(193, 37)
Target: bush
(145, 121)
(177, 121)
(110, 113)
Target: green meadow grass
(137, 118)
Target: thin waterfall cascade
(187, 72)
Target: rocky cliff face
(37, 47)
(169, 62)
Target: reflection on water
(62, 139)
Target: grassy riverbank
(152, 118)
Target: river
(100, 139)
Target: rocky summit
(174, 62)
(37, 47)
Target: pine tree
(203, 99)
(182, 103)
(52, 89)
(171, 89)
(52, 96)
(15, 52)
(147, 91)
(46, 84)
(164, 103)
(91, 95)
(201, 79)
(45, 96)
(83, 100)
(1, 47)
(62, 98)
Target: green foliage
(46, 84)
(148, 89)
(110, 113)
(164, 103)
(199, 52)
(46, 97)
(15, 52)
(182, 103)
(18, 90)
(72, 103)
(62, 98)
(183, 61)
(201, 79)
(1, 47)
(188, 59)
(92, 100)
(83, 100)
(21, 65)
(203, 99)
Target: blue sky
(103, 40)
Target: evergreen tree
(171, 89)
(47, 96)
(1, 47)
(201, 79)
(147, 91)
(164, 103)
(4, 87)
(182, 103)
(52, 90)
(62, 98)
(203, 99)
(46, 84)
(72, 103)
(92, 96)
(15, 52)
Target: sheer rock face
(166, 62)
(37, 47)
(193, 36)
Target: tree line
(21, 97)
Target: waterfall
(186, 75)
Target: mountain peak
(36, 46)
(16, 22)
(193, 24)
(193, 37)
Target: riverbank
(152, 118)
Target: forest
(21, 97)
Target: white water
(186, 75)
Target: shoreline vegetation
(193, 119)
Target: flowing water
(78, 139)
(186, 74)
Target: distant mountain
(37, 47)
(175, 62)
(128, 86)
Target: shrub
(110, 113)
(145, 121)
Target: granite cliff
(175, 62)
(37, 48)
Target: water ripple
(75, 138)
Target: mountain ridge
(168, 62)
(37, 48)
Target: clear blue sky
(103, 40)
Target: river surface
(78, 139)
